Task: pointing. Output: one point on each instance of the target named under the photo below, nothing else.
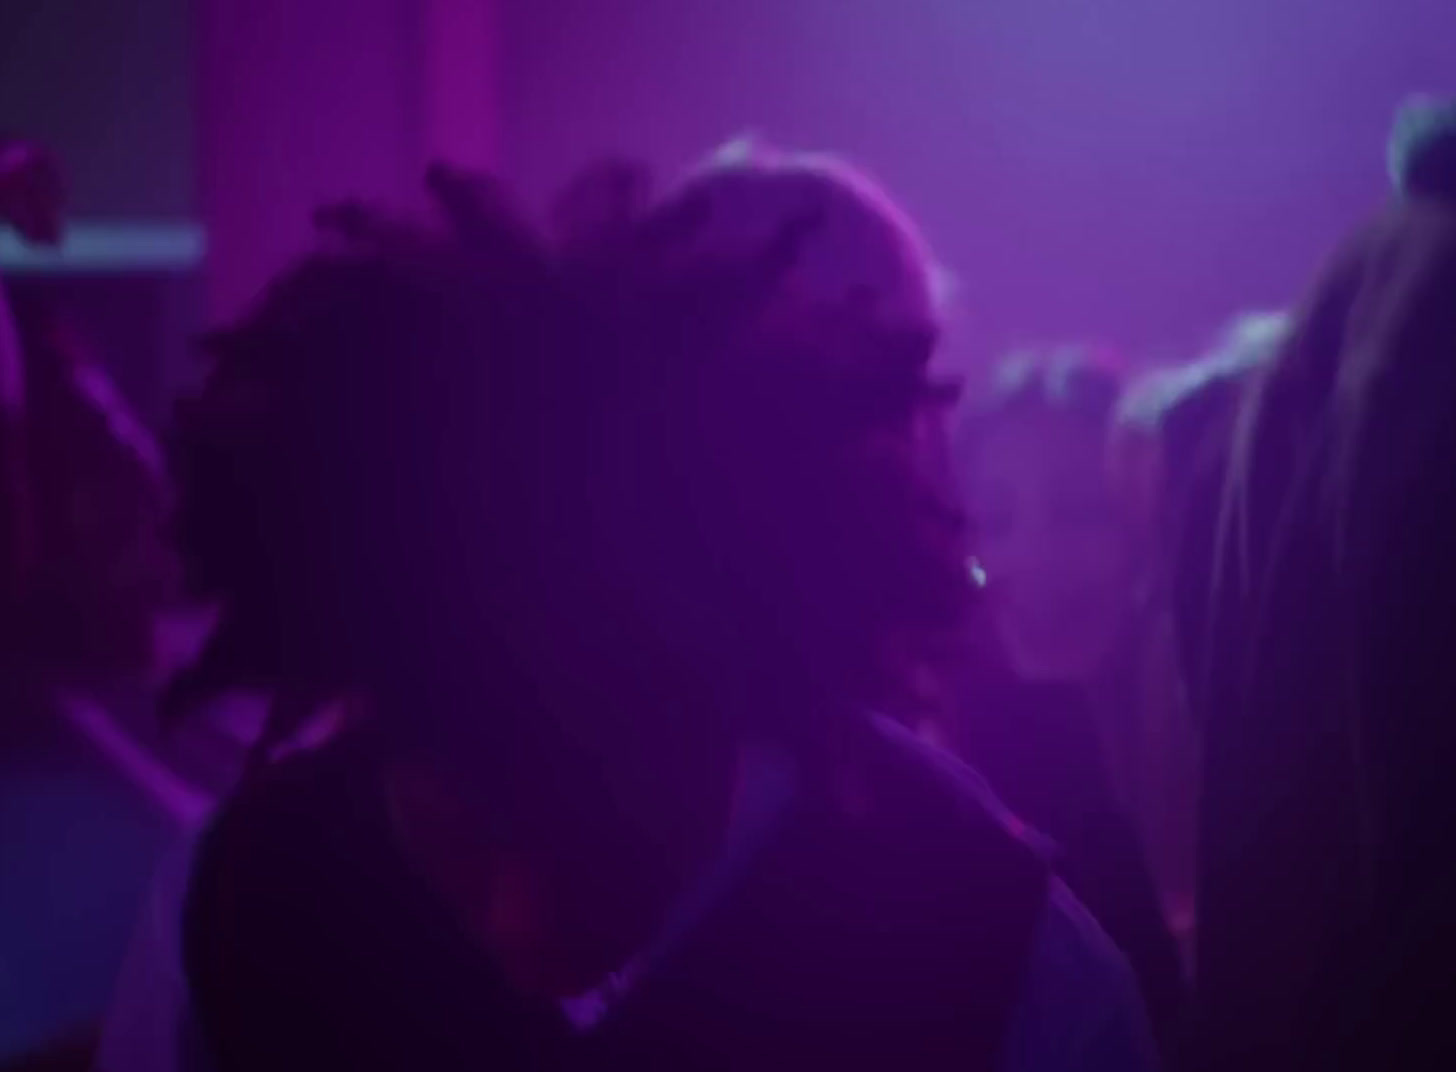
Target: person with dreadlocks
(1325, 679)
(604, 547)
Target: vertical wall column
(306, 102)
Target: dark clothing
(897, 936)
(1041, 754)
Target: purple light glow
(1124, 171)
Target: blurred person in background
(1170, 445)
(1325, 681)
(103, 571)
(92, 547)
(1176, 430)
(1050, 532)
(82, 571)
(1049, 703)
(609, 545)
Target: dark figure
(1326, 679)
(78, 503)
(1186, 415)
(603, 550)
(1049, 705)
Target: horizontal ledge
(105, 247)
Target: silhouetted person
(1049, 703)
(602, 549)
(79, 502)
(1326, 689)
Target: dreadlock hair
(1327, 677)
(338, 469)
(607, 476)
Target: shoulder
(953, 780)
(1080, 1007)
(284, 860)
(280, 920)
(288, 806)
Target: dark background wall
(109, 84)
